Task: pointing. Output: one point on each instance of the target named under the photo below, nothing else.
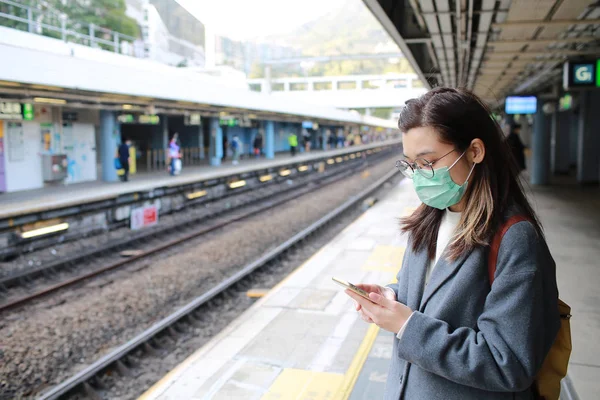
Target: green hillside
(348, 29)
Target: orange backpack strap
(497, 240)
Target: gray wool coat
(465, 341)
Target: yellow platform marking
(385, 258)
(257, 293)
(298, 384)
(351, 376)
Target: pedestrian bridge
(353, 91)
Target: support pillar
(269, 139)
(540, 148)
(560, 142)
(588, 152)
(201, 140)
(216, 141)
(165, 131)
(573, 138)
(325, 138)
(110, 138)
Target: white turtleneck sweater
(448, 225)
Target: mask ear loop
(470, 172)
(454, 163)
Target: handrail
(33, 24)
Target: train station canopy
(495, 48)
(74, 75)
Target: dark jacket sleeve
(514, 332)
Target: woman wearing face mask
(457, 335)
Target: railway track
(170, 325)
(16, 290)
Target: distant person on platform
(306, 138)
(293, 142)
(340, 139)
(225, 147)
(236, 148)
(332, 140)
(257, 145)
(174, 155)
(516, 145)
(124, 159)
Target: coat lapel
(442, 271)
(418, 265)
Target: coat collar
(441, 273)
(418, 267)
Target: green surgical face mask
(440, 191)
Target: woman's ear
(477, 151)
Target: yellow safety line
(356, 366)
(148, 393)
(357, 363)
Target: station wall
(26, 142)
(79, 144)
(22, 161)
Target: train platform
(303, 340)
(61, 196)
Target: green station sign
(139, 119)
(565, 103)
(28, 113)
(16, 111)
(581, 74)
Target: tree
(107, 14)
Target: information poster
(51, 139)
(15, 142)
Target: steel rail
(288, 196)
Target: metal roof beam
(533, 54)
(584, 39)
(555, 22)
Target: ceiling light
(237, 184)
(12, 84)
(45, 231)
(49, 100)
(195, 195)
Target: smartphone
(353, 288)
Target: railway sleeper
(90, 392)
(149, 349)
(122, 369)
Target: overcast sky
(245, 19)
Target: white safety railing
(43, 20)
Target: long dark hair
(494, 189)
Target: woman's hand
(370, 288)
(383, 310)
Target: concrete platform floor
(570, 215)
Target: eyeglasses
(424, 167)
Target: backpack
(554, 368)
